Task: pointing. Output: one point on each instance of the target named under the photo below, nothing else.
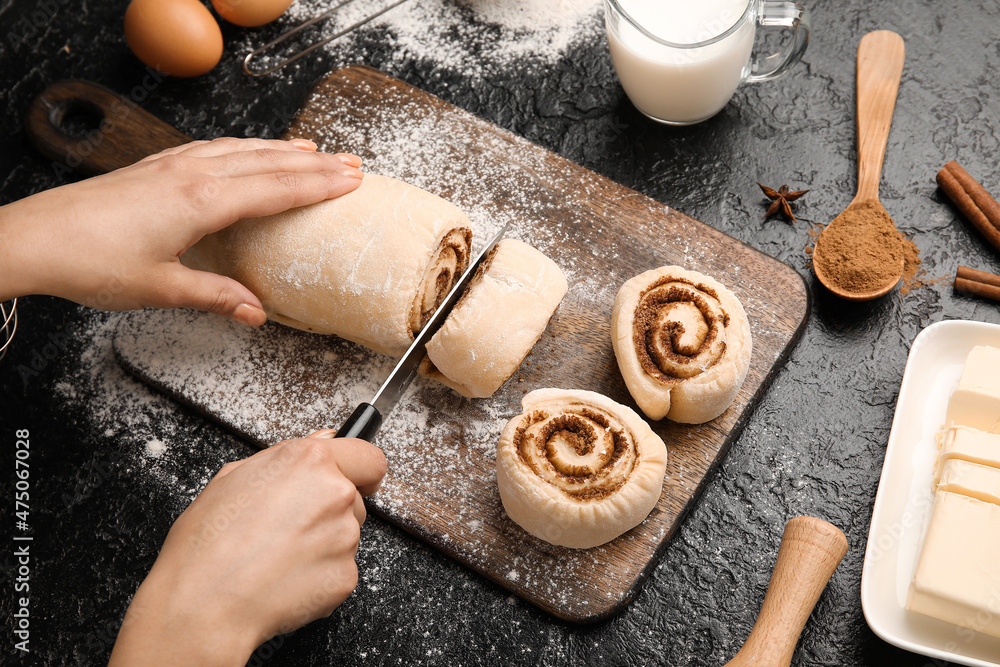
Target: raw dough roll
(370, 266)
(577, 469)
(501, 316)
(683, 344)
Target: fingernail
(353, 173)
(349, 159)
(304, 144)
(325, 434)
(249, 315)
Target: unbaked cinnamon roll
(370, 266)
(577, 469)
(500, 317)
(683, 344)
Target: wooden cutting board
(276, 383)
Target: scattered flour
(473, 38)
(119, 406)
(155, 448)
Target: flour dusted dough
(499, 319)
(683, 344)
(577, 469)
(369, 266)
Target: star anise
(780, 200)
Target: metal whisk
(312, 47)
(8, 311)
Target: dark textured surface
(814, 446)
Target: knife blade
(366, 419)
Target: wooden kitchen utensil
(811, 549)
(880, 68)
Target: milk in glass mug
(680, 61)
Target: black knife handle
(363, 423)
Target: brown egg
(250, 13)
(176, 37)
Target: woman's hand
(113, 241)
(267, 547)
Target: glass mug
(681, 61)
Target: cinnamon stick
(972, 199)
(977, 283)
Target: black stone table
(103, 494)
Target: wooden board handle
(811, 549)
(880, 68)
(121, 132)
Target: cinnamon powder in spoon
(863, 250)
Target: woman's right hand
(267, 547)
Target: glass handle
(783, 14)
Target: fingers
(330, 434)
(267, 161)
(225, 145)
(350, 159)
(187, 288)
(361, 462)
(230, 178)
(360, 513)
(267, 194)
(230, 145)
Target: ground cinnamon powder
(862, 251)
(913, 275)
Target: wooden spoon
(880, 67)
(811, 549)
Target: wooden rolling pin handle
(811, 549)
(880, 68)
(122, 133)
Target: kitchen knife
(366, 419)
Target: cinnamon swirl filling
(682, 341)
(581, 451)
(679, 329)
(446, 266)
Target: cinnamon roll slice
(683, 344)
(370, 266)
(577, 469)
(501, 316)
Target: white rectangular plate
(904, 499)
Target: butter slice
(982, 369)
(971, 479)
(957, 579)
(966, 444)
(976, 402)
(977, 408)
